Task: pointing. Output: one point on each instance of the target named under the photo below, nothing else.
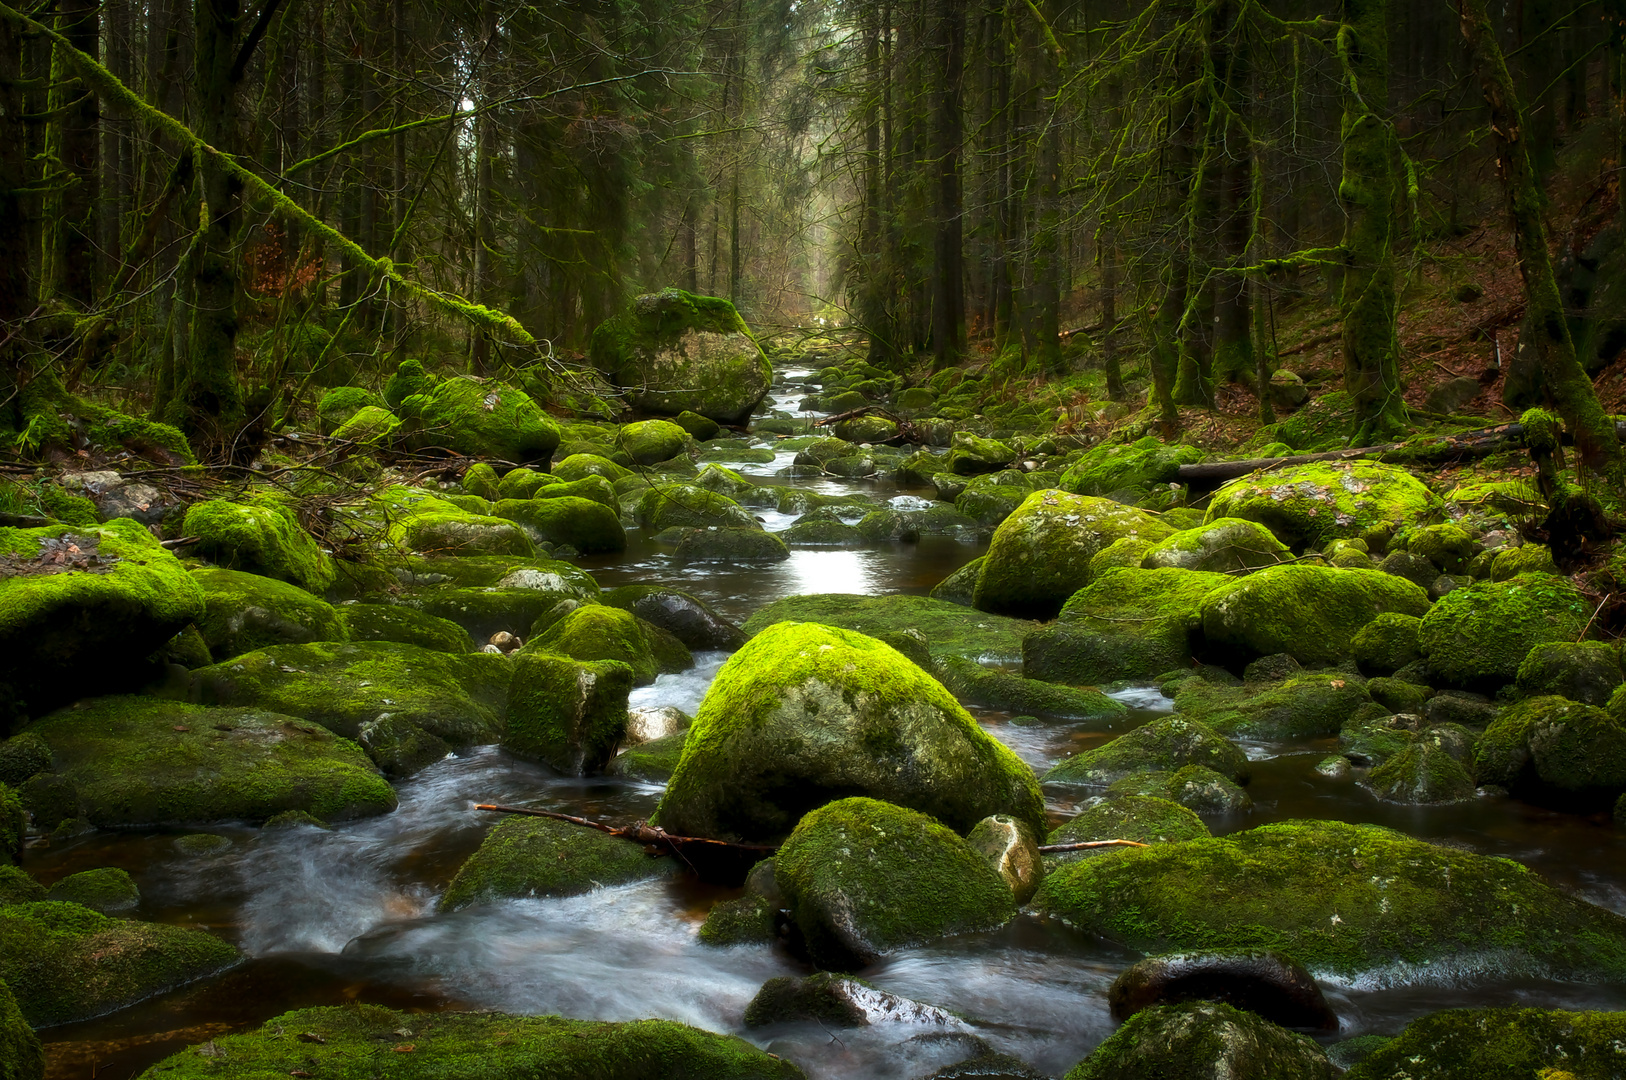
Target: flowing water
(326, 917)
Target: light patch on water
(908, 503)
(1145, 698)
(684, 690)
(1469, 969)
(816, 571)
(773, 520)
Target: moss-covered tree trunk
(1368, 191)
(1233, 323)
(485, 150)
(1176, 352)
(68, 247)
(1546, 353)
(16, 291)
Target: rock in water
(839, 1001)
(1271, 984)
(675, 352)
(1307, 506)
(1203, 1040)
(1502, 1044)
(805, 713)
(530, 856)
(1311, 613)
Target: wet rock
(539, 857)
(599, 632)
(1584, 671)
(1223, 546)
(1310, 505)
(1414, 568)
(807, 712)
(259, 537)
(951, 629)
(65, 962)
(1040, 555)
(837, 1001)
(201, 845)
(1269, 984)
(960, 587)
(1203, 1040)
(1479, 635)
(913, 644)
(654, 761)
(1333, 767)
(1010, 848)
(990, 689)
(1272, 669)
(408, 626)
(1310, 612)
(970, 455)
(108, 890)
(1168, 743)
(862, 878)
(1374, 740)
(491, 1046)
(1500, 1044)
(1461, 707)
(651, 722)
(822, 534)
(730, 546)
(1143, 818)
(244, 612)
(1397, 695)
(1313, 704)
(114, 496)
(1424, 772)
(1556, 752)
(1352, 901)
(1196, 787)
(1136, 466)
(146, 761)
(399, 747)
(571, 714)
(948, 486)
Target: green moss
(1346, 900)
(1136, 466)
(145, 761)
(805, 713)
(1127, 623)
(862, 878)
(1554, 750)
(66, 508)
(1398, 695)
(405, 625)
(16, 887)
(592, 488)
(372, 426)
(505, 572)
(1449, 546)
(1423, 772)
(1306, 706)
(1524, 559)
(340, 404)
(1584, 671)
(1500, 1044)
(1309, 612)
(975, 684)
(108, 890)
(259, 538)
(822, 534)
(342, 686)
(970, 454)
(409, 378)
(1143, 818)
(729, 545)
(21, 1055)
(672, 505)
(989, 504)
(950, 629)
(1308, 505)
(244, 612)
(453, 532)
(597, 632)
(490, 1046)
(1167, 743)
(21, 756)
(477, 419)
(1222, 546)
(589, 526)
(568, 713)
(649, 442)
(1197, 1040)
(1478, 635)
(531, 857)
(1196, 787)
(960, 587)
(578, 466)
(1387, 643)
(523, 483)
(13, 825)
(654, 761)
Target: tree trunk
(16, 291)
(1233, 337)
(485, 148)
(947, 284)
(68, 254)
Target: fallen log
(1085, 845)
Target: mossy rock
(1308, 505)
(676, 352)
(1501, 1044)
(65, 962)
(729, 545)
(1422, 773)
(404, 625)
(1584, 671)
(479, 419)
(481, 480)
(822, 534)
(1225, 546)
(1138, 465)
(1557, 752)
(21, 756)
(950, 629)
(988, 688)
(971, 454)
(456, 532)
(261, 538)
(1196, 787)
(1307, 706)
(866, 429)
(688, 506)
(691, 620)
(1448, 546)
(1203, 1040)
(1145, 819)
(988, 505)
(483, 612)
(146, 761)
(568, 713)
(17, 887)
(344, 1045)
(341, 687)
(588, 525)
(538, 857)
(1478, 635)
(107, 889)
(87, 625)
(21, 1055)
(702, 428)
(1012, 849)
(1525, 559)
(654, 761)
(340, 404)
(244, 612)
(1312, 613)
(960, 587)
(399, 747)
(1128, 623)
(371, 427)
(523, 483)
(821, 452)
(1348, 901)
(862, 878)
(1041, 554)
(581, 466)
(649, 442)
(598, 632)
(407, 379)
(1398, 695)
(502, 572)
(1167, 743)
(13, 825)
(594, 488)
(1387, 643)
(806, 713)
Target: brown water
(328, 917)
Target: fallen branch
(639, 832)
(907, 432)
(1085, 845)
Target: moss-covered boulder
(1424, 772)
(1041, 554)
(342, 1043)
(1308, 505)
(341, 687)
(674, 351)
(1145, 819)
(532, 857)
(1557, 752)
(599, 632)
(971, 455)
(1524, 559)
(806, 713)
(478, 418)
(406, 625)
(447, 530)
(1501, 1044)
(1584, 671)
(16, 887)
(65, 962)
(399, 747)
(81, 609)
(1133, 466)
(1167, 743)
(340, 404)
(523, 483)
(146, 761)
(580, 466)
(688, 618)
(862, 878)
(568, 713)
(259, 537)
(21, 1055)
(1203, 1040)
(1128, 623)
(649, 442)
(1387, 643)
(688, 506)
(106, 889)
(990, 688)
(244, 612)
(1477, 636)
(587, 525)
(950, 629)
(1311, 613)
(729, 545)
(1225, 546)
(1196, 787)
(373, 426)
(1313, 704)
(1348, 901)
(593, 488)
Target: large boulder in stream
(599, 632)
(477, 418)
(1203, 1040)
(260, 537)
(569, 713)
(1557, 752)
(1127, 623)
(675, 352)
(532, 857)
(1308, 506)
(1348, 901)
(1502, 1044)
(1168, 743)
(1311, 613)
(687, 618)
(1478, 636)
(341, 1042)
(81, 609)
(244, 612)
(122, 761)
(805, 713)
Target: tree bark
(68, 255)
(947, 276)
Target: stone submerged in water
(1502, 1044)
(838, 1001)
(539, 857)
(1203, 1040)
(1271, 984)
(1167, 743)
(1557, 752)
(342, 1043)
